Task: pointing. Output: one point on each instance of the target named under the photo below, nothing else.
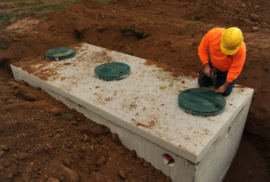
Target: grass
(55, 7)
(4, 43)
(1, 106)
(19, 28)
(74, 18)
(67, 117)
(130, 52)
(23, 90)
(105, 1)
(5, 17)
(138, 34)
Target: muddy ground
(36, 135)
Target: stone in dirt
(122, 173)
(168, 179)
(115, 137)
(109, 180)
(30, 97)
(85, 137)
(21, 156)
(133, 154)
(6, 163)
(75, 123)
(121, 150)
(101, 161)
(151, 169)
(96, 131)
(9, 174)
(67, 162)
(52, 180)
(4, 147)
(97, 177)
(254, 29)
(141, 161)
(69, 175)
(146, 164)
(56, 111)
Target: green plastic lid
(60, 53)
(201, 102)
(112, 71)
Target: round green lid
(60, 53)
(112, 71)
(201, 102)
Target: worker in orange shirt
(227, 52)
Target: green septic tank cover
(201, 102)
(60, 53)
(112, 71)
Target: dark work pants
(221, 79)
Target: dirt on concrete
(167, 33)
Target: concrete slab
(146, 117)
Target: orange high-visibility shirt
(233, 64)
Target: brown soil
(167, 33)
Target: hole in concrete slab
(228, 133)
(168, 160)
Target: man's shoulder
(217, 30)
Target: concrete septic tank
(143, 110)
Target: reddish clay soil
(37, 144)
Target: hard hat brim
(227, 51)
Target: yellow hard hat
(231, 40)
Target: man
(227, 55)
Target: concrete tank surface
(143, 110)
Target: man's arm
(204, 47)
(222, 88)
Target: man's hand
(222, 88)
(207, 69)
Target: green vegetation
(19, 28)
(138, 34)
(1, 106)
(130, 52)
(67, 117)
(4, 43)
(74, 18)
(55, 7)
(23, 90)
(5, 17)
(105, 1)
(197, 18)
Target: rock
(6, 163)
(254, 17)
(67, 162)
(101, 161)
(250, 173)
(254, 29)
(122, 174)
(97, 177)
(146, 164)
(115, 137)
(30, 97)
(121, 150)
(75, 123)
(243, 5)
(109, 180)
(141, 161)
(265, 90)
(168, 179)
(4, 147)
(85, 138)
(21, 156)
(9, 174)
(133, 154)
(56, 111)
(68, 174)
(97, 130)
(52, 180)
(151, 169)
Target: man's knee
(227, 92)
